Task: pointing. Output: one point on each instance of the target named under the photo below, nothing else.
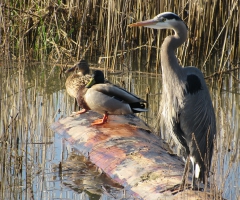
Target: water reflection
(33, 98)
(79, 174)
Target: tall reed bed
(65, 30)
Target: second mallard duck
(108, 99)
(76, 82)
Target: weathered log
(128, 152)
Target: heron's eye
(162, 19)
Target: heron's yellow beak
(144, 23)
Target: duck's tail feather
(138, 110)
(138, 107)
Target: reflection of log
(80, 175)
(126, 150)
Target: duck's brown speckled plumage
(76, 82)
(80, 97)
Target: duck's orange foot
(101, 121)
(98, 122)
(78, 112)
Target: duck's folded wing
(116, 92)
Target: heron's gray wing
(179, 134)
(197, 119)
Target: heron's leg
(101, 121)
(193, 174)
(185, 173)
(182, 185)
(194, 179)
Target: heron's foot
(78, 112)
(180, 187)
(197, 188)
(177, 188)
(100, 121)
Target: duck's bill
(144, 23)
(71, 69)
(90, 83)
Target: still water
(38, 164)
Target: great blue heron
(186, 105)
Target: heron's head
(165, 20)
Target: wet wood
(128, 152)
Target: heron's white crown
(166, 20)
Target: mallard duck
(76, 82)
(109, 99)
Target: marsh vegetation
(39, 39)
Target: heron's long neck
(169, 60)
(172, 75)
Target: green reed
(67, 31)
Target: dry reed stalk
(47, 29)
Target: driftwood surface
(129, 153)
